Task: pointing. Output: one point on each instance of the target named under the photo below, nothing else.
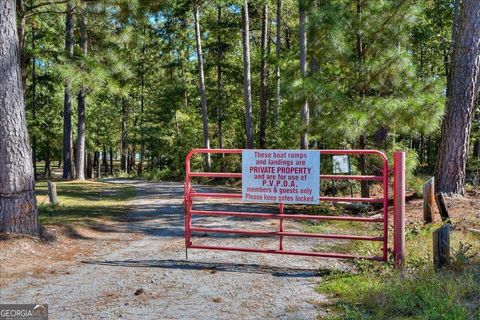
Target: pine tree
(247, 86)
(18, 208)
(462, 95)
(201, 83)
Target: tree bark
(364, 186)
(142, 107)
(104, 160)
(476, 149)
(18, 208)
(219, 79)
(132, 161)
(264, 78)
(67, 103)
(463, 88)
(124, 138)
(21, 12)
(277, 67)
(96, 161)
(201, 85)
(360, 51)
(81, 108)
(247, 82)
(287, 38)
(304, 112)
(34, 107)
(111, 161)
(89, 167)
(48, 163)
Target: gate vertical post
(187, 203)
(280, 228)
(399, 208)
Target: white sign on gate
(281, 176)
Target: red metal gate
(191, 194)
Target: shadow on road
(214, 267)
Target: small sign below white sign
(341, 164)
(281, 176)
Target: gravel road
(148, 277)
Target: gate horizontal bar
(334, 152)
(349, 177)
(322, 176)
(239, 196)
(287, 234)
(296, 253)
(283, 216)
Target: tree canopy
(374, 76)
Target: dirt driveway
(148, 277)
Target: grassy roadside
(377, 291)
(82, 202)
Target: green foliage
(159, 174)
(141, 69)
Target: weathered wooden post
(441, 246)
(399, 209)
(428, 200)
(52, 192)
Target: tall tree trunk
(476, 149)
(132, 162)
(219, 78)
(89, 167)
(421, 151)
(124, 138)
(177, 136)
(67, 103)
(96, 161)
(34, 107)
(81, 100)
(74, 159)
(142, 106)
(287, 38)
(104, 160)
(360, 48)
(364, 186)
(21, 13)
(448, 54)
(476, 144)
(304, 112)
(201, 85)
(48, 165)
(463, 88)
(129, 161)
(277, 67)
(264, 78)
(111, 161)
(247, 81)
(18, 208)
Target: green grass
(83, 202)
(377, 291)
(425, 295)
